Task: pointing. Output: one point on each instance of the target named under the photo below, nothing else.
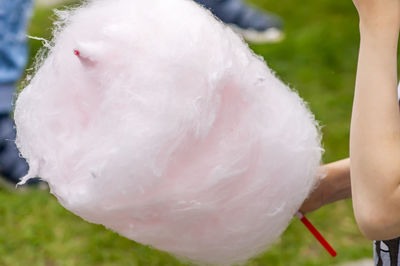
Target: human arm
(375, 125)
(333, 187)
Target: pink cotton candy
(156, 120)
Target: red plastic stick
(316, 234)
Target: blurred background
(317, 57)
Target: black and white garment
(386, 253)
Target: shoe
(254, 25)
(12, 165)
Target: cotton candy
(154, 119)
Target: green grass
(317, 58)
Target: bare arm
(375, 126)
(335, 186)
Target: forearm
(333, 187)
(337, 183)
(375, 129)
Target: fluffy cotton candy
(167, 129)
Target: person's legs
(251, 23)
(14, 16)
(12, 166)
(6, 97)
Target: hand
(335, 186)
(316, 199)
(379, 15)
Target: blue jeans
(14, 16)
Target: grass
(317, 58)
